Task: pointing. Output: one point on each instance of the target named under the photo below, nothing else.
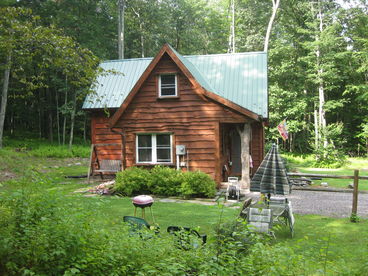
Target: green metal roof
(239, 77)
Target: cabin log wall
(102, 134)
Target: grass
(303, 164)
(341, 243)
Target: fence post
(354, 211)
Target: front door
(231, 152)
(235, 156)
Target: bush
(165, 181)
(236, 235)
(131, 181)
(198, 184)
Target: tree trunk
(275, 6)
(57, 116)
(316, 132)
(142, 39)
(65, 104)
(50, 122)
(4, 96)
(39, 119)
(121, 8)
(321, 93)
(141, 31)
(85, 128)
(244, 134)
(72, 120)
(231, 48)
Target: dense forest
(317, 55)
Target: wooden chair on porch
(102, 163)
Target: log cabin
(199, 112)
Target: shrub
(198, 184)
(165, 181)
(236, 235)
(131, 181)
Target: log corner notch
(244, 132)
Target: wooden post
(245, 134)
(354, 210)
(90, 169)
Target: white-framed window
(154, 148)
(168, 85)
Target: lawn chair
(260, 220)
(187, 238)
(233, 188)
(244, 210)
(282, 212)
(139, 226)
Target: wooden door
(235, 154)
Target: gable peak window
(168, 85)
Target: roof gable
(236, 80)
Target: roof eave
(233, 106)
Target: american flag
(282, 128)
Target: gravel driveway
(331, 204)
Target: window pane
(163, 140)
(144, 155)
(168, 92)
(163, 155)
(144, 141)
(167, 80)
(168, 85)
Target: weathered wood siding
(101, 134)
(193, 120)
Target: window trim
(154, 149)
(160, 88)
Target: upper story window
(154, 148)
(167, 85)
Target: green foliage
(236, 235)
(354, 218)
(61, 151)
(43, 233)
(331, 154)
(132, 181)
(43, 148)
(164, 181)
(45, 230)
(197, 184)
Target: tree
(33, 53)
(121, 14)
(275, 6)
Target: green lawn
(304, 165)
(339, 242)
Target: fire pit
(143, 201)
